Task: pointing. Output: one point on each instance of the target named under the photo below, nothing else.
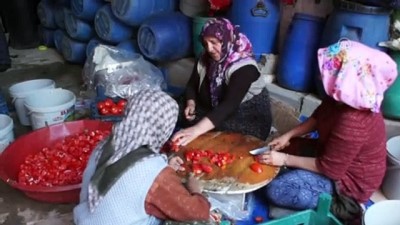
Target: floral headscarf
(149, 120)
(235, 47)
(356, 74)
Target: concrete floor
(15, 207)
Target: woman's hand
(176, 163)
(193, 184)
(280, 142)
(185, 136)
(273, 158)
(190, 110)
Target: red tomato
(109, 102)
(122, 103)
(114, 110)
(256, 167)
(104, 111)
(196, 169)
(100, 105)
(258, 219)
(206, 168)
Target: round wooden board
(237, 177)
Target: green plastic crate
(321, 216)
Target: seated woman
(226, 90)
(128, 182)
(348, 159)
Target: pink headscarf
(355, 74)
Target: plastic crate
(310, 217)
(94, 112)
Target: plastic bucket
(58, 37)
(59, 16)
(135, 12)
(45, 12)
(73, 51)
(19, 91)
(383, 213)
(109, 28)
(391, 183)
(129, 46)
(193, 8)
(298, 58)
(198, 23)
(92, 44)
(6, 131)
(259, 21)
(47, 107)
(86, 9)
(166, 37)
(77, 28)
(393, 148)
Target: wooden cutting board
(237, 177)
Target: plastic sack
(121, 73)
(230, 205)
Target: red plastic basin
(14, 155)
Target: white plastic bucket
(6, 131)
(393, 148)
(391, 183)
(383, 213)
(20, 90)
(193, 8)
(51, 106)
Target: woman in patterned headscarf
(348, 160)
(226, 90)
(127, 180)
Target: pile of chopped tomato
(170, 146)
(108, 107)
(62, 163)
(202, 160)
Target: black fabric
(233, 94)
(253, 117)
(5, 61)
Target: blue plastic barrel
(76, 28)
(47, 36)
(73, 51)
(92, 44)
(166, 37)
(59, 16)
(299, 54)
(109, 28)
(45, 12)
(86, 9)
(365, 24)
(129, 46)
(259, 21)
(58, 37)
(135, 12)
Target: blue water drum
(366, 24)
(135, 12)
(45, 12)
(129, 46)
(47, 36)
(299, 54)
(259, 21)
(59, 16)
(109, 28)
(92, 44)
(86, 9)
(166, 37)
(76, 28)
(73, 51)
(58, 37)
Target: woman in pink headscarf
(348, 160)
(226, 90)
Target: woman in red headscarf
(226, 90)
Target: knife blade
(259, 151)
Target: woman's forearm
(204, 125)
(303, 128)
(306, 163)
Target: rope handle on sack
(340, 45)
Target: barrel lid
(360, 8)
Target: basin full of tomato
(108, 109)
(62, 163)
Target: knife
(259, 151)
